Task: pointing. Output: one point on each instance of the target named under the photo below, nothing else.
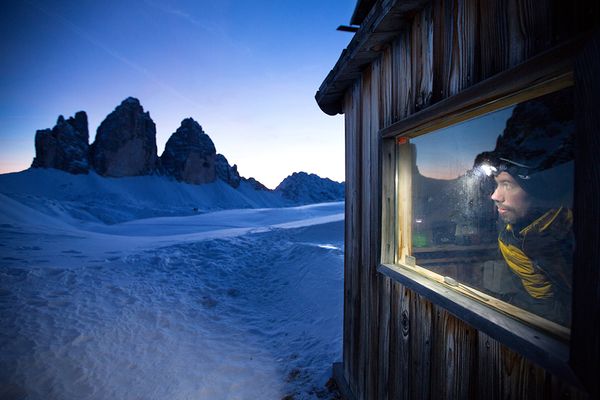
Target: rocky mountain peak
(131, 100)
(302, 187)
(65, 146)
(125, 142)
(190, 154)
(125, 145)
(227, 173)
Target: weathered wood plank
(386, 104)
(421, 44)
(365, 237)
(391, 341)
(383, 367)
(443, 38)
(351, 239)
(421, 331)
(494, 38)
(537, 70)
(453, 360)
(522, 338)
(389, 201)
(466, 46)
(400, 343)
(404, 193)
(387, 231)
(534, 26)
(401, 77)
(374, 224)
(504, 374)
(455, 47)
(489, 373)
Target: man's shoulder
(553, 221)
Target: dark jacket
(541, 255)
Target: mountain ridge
(125, 146)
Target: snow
(238, 303)
(113, 200)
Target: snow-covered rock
(303, 188)
(125, 142)
(256, 185)
(65, 146)
(225, 172)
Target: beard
(508, 215)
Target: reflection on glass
(492, 204)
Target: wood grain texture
(401, 78)
(454, 357)
(399, 369)
(494, 37)
(387, 232)
(365, 272)
(398, 344)
(503, 374)
(421, 66)
(373, 205)
(351, 245)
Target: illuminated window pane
(492, 200)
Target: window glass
(492, 200)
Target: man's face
(512, 201)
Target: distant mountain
(304, 188)
(125, 142)
(65, 146)
(125, 146)
(189, 154)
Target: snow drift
(174, 303)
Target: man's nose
(497, 195)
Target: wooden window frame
(543, 74)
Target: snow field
(235, 304)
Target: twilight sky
(247, 71)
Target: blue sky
(247, 71)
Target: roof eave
(361, 11)
(384, 22)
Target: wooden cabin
(431, 304)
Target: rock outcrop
(256, 185)
(125, 145)
(303, 188)
(125, 142)
(227, 173)
(65, 146)
(190, 155)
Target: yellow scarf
(535, 282)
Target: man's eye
(506, 186)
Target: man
(532, 165)
(535, 236)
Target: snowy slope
(111, 200)
(230, 304)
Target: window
(445, 208)
(484, 206)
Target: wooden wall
(397, 344)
